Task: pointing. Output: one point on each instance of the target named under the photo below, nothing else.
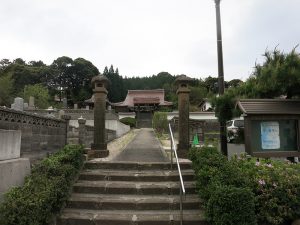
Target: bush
(213, 169)
(231, 205)
(160, 122)
(129, 121)
(45, 191)
(275, 186)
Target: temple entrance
(144, 119)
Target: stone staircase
(133, 194)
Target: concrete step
(129, 217)
(132, 188)
(136, 175)
(119, 165)
(132, 202)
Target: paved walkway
(143, 148)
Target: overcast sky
(145, 37)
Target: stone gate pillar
(99, 147)
(183, 93)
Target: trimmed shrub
(45, 191)
(231, 205)
(129, 121)
(275, 186)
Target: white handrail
(182, 189)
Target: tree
(22, 74)
(40, 94)
(83, 72)
(211, 84)
(197, 95)
(72, 79)
(62, 76)
(6, 90)
(116, 91)
(278, 75)
(234, 83)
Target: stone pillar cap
(181, 79)
(100, 79)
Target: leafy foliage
(40, 94)
(6, 89)
(160, 122)
(116, 91)
(231, 205)
(129, 121)
(246, 191)
(45, 191)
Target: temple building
(143, 101)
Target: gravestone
(18, 104)
(65, 103)
(31, 103)
(26, 105)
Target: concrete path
(143, 148)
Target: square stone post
(183, 93)
(81, 130)
(67, 118)
(99, 147)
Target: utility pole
(223, 138)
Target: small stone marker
(31, 103)
(18, 104)
(65, 103)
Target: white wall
(116, 125)
(126, 114)
(195, 115)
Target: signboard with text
(270, 138)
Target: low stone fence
(40, 135)
(84, 134)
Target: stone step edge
(115, 214)
(114, 198)
(135, 165)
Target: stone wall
(13, 169)
(40, 135)
(85, 135)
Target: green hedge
(129, 121)
(45, 191)
(245, 187)
(231, 205)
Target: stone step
(132, 188)
(132, 202)
(129, 217)
(119, 165)
(136, 175)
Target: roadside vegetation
(245, 190)
(45, 191)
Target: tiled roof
(156, 96)
(269, 106)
